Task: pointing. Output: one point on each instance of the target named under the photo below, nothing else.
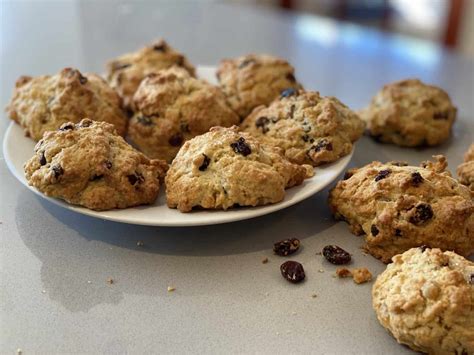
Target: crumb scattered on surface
(264, 260)
(110, 281)
(361, 275)
(171, 288)
(343, 272)
(89, 281)
(44, 291)
(293, 313)
(19, 351)
(140, 243)
(320, 270)
(314, 295)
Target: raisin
(135, 178)
(66, 127)
(398, 232)
(382, 174)
(108, 164)
(97, 177)
(241, 147)
(416, 179)
(322, 144)
(82, 79)
(291, 77)
(424, 247)
(288, 92)
(336, 255)
(160, 47)
(442, 115)
(42, 159)
(86, 123)
(292, 271)
(374, 230)
(246, 62)
(423, 213)
(286, 247)
(262, 123)
(144, 120)
(205, 163)
(176, 140)
(57, 170)
(305, 138)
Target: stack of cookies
(106, 144)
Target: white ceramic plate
(18, 149)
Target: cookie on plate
(254, 80)
(425, 299)
(126, 72)
(309, 128)
(88, 164)
(410, 113)
(172, 107)
(224, 168)
(399, 207)
(466, 170)
(46, 102)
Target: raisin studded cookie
(309, 128)
(88, 164)
(225, 167)
(410, 113)
(173, 107)
(399, 207)
(466, 170)
(126, 72)
(46, 102)
(254, 80)
(425, 299)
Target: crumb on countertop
(110, 281)
(361, 275)
(171, 288)
(343, 272)
(264, 260)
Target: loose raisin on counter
(286, 247)
(336, 255)
(241, 147)
(382, 174)
(205, 163)
(423, 213)
(292, 271)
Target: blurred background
(447, 22)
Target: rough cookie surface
(400, 207)
(425, 299)
(88, 164)
(309, 128)
(254, 80)
(173, 107)
(46, 102)
(225, 167)
(466, 170)
(410, 113)
(126, 72)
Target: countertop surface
(55, 264)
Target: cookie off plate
(18, 149)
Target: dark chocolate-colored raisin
(144, 120)
(336, 255)
(57, 170)
(135, 178)
(108, 164)
(246, 62)
(424, 247)
(292, 271)
(382, 174)
(241, 147)
(42, 159)
(160, 47)
(416, 179)
(374, 230)
(398, 232)
(82, 79)
(66, 127)
(286, 247)
(322, 144)
(205, 163)
(288, 92)
(262, 123)
(441, 115)
(423, 213)
(291, 77)
(176, 140)
(305, 138)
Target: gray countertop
(55, 264)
